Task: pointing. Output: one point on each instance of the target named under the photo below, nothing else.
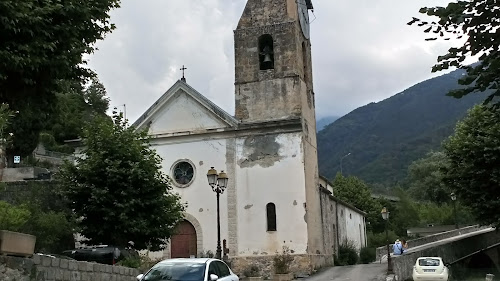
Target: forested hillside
(385, 137)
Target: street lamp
(341, 161)
(218, 182)
(454, 199)
(385, 216)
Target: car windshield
(428, 262)
(178, 271)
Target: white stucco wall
(281, 183)
(201, 199)
(182, 113)
(353, 228)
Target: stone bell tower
(274, 88)
(273, 62)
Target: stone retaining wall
(382, 251)
(302, 265)
(42, 268)
(449, 251)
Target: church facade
(274, 196)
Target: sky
(363, 51)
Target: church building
(274, 196)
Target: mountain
(384, 138)
(325, 121)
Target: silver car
(197, 269)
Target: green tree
(44, 43)
(76, 106)
(478, 21)
(118, 190)
(354, 191)
(425, 178)
(405, 215)
(474, 158)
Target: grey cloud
(363, 51)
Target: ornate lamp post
(385, 216)
(454, 199)
(218, 182)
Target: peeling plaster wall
(201, 199)
(270, 169)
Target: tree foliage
(405, 215)
(425, 178)
(478, 21)
(118, 190)
(76, 107)
(43, 43)
(474, 157)
(53, 229)
(13, 218)
(354, 191)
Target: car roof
(423, 258)
(191, 260)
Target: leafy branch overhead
(478, 21)
(42, 46)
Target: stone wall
(381, 251)
(450, 251)
(302, 265)
(22, 174)
(43, 268)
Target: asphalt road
(360, 272)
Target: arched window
(271, 217)
(266, 52)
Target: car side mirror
(139, 277)
(214, 277)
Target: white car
(430, 269)
(197, 269)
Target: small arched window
(271, 216)
(266, 52)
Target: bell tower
(273, 62)
(274, 92)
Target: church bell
(267, 58)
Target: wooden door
(183, 242)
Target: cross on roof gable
(218, 112)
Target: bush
(348, 255)
(367, 255)
(379, 239)
(207, 254)
(252, 271)
(13, 218)
(282, 261)
(142, 262)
